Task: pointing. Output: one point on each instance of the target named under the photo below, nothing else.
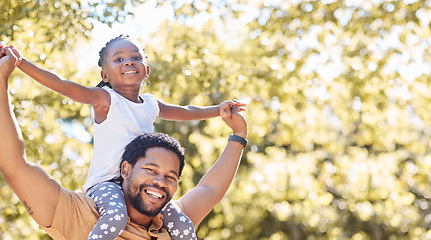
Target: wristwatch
(239, 139)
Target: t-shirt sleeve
(74, 217)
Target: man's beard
(134, 194)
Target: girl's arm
(199, 201)
(193, 113)
(63, 86)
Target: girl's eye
(137, 58)
(118, 60)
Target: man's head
(151, 167)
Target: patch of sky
(332, 118)
(246, 100)
(264, 16)
(327, 2)
(357, 104)
(308, 7)
(75, 129)
(275, 104)
(415, 119)
(389, 7)
(424, 16)
(343, 15)
(409, 2)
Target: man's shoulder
(74, 217)
(76, 214)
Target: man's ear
(104, 76)
(125, 170)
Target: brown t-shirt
(76, 214)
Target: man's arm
(33, 186)
(199, 201)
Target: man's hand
(17, 54)
(7, 62)
(225, 108)
(237, 122)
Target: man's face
(153, 181)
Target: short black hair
(137, 148)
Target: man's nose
(160, 182)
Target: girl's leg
(179, 226)
(111, 205)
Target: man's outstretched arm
(199, 201)
(33, 186)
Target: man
(149, 179)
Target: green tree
(338, 111)
(46, 32)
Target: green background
(338, 109)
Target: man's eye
(150, 170)
(118, 60)
(171, 178)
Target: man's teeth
(154, 194)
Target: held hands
(237, 122)
(17, 54)
(8, 60)
(15, 51)
(225, 108)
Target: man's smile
(154, 194)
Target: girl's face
(124, 65)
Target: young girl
(120, 114)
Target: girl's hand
(225, 108)
(7, 62)
(17, 54)
(15, 51)
(2, 49)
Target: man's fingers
(9, 55)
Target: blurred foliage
(337, 95)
